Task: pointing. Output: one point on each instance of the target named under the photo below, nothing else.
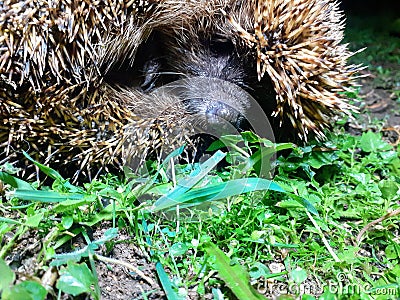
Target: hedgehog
(77, 78)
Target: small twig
(125, 264)
(369, 225)
(324, 240)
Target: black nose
(217, 113)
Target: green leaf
(307, 297)
(217, 294)
(167, 284)
(46, 196)
(298, 275)
(10, 221)
(349, 254)
(258, 269)
(7, 275)
(388, 189)
(75, 256)
(285, 146)
(392, 251)
(34, 289)
(217, 191)
(187, 183)
(317, 159)
(70, 204)
(104, 214)
(396, 272)
(109, 234)
(305, 203)
(178, 249)
(223, 190)
(15, 182)
(63, 258)
(372, 142)
(67, 221)
(51, 173)
(16, 292)
(33, 221)
(76, 279)
(234, 275)
(328, 295)
(173, 154)
(289, 204)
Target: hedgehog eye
(144, 71)
(221, 46)
(151, 73)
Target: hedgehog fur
(76, 77)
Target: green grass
(268, 239)
(379, 36)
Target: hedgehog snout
(220, 103)
(216, 112)
(219, 109)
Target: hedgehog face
(212, 59)
(162, 60)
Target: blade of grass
(162, 275)
(187, 183)
(226, 189)
(235, 276)
(324, 240)
(218, 191)
(51, 173)
(10, 221)
(45, 196)
(167, 284)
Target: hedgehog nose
(217, 101)
(217, 112)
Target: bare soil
(117, 282)
(380, 105)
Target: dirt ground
(380, 104)
(117, 282)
